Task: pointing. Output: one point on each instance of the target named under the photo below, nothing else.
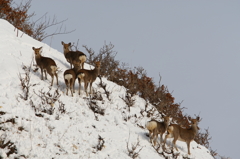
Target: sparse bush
(47, 101)
(166, 154)
(25, 82)
(92, 104)
(61, 107)
(128, 100)
(103, 86)
(100, 144)
(7, 145)
(133, 151)
(10, 146)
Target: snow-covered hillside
(76, 133)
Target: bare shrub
(92, 104)
(134, 150)
(18, 15)
(47, 101)
(9, 145)
(107, 57)
(203, 138)
(25, 82)
(61, 107)
(128, 100)
(167, 155)
(103, 86)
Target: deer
(155, 127)
(70, 77)
(183, 134)
(88, 76)
(46, 64)
(73, 55)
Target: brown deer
(88, 77)
(70, 77)
(182, 134)
(73, 55)
(46, 64)
(155, 127)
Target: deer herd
(173, 131)
(77, 71)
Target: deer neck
(65, 51)
(165, 124)
(38, 57)
(194, 128)
(97, 70)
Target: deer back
(90, 75)
(184, 134)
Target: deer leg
(174, 143)
(79, 82)
(67, 86)
(85, 87)
(91, 88)
(45, 72)
(167, 136)
(41, 73)
(52, 79)
(161, 139)
(150, 136)
(71, 86)
(188, 146)
(56, 77)
(154, 136)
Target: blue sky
(193, 45)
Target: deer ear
(33, 48)
(198, 118)
(62, 42)
(69, 44)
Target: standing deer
(186, 135)
(46, 64)
(155, 127)
(73, 55)
(70, 77)
(88, 76)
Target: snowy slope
(75, 133)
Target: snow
(75, 133)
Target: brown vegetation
(18, 15)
